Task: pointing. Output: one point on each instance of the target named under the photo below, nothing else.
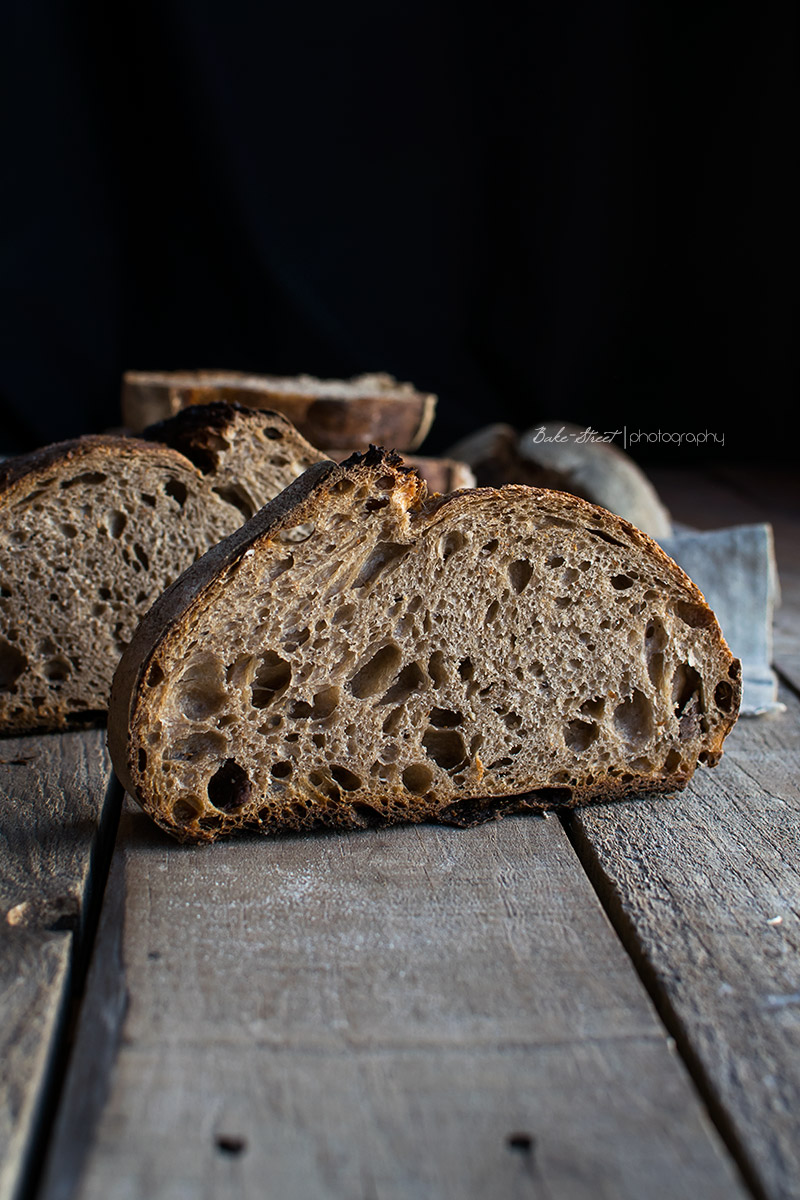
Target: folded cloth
(736, 572)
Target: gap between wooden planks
(409, 1012)
(57, 815)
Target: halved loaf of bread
(360, 652)
(92, 530)
(331, 413)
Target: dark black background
(580, 211)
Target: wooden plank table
(605, 1004)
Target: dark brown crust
(297, 505)
(399, 417)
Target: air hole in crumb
(142, 555)
(57, 670)
(686, 686)
(453, 541)
(392, 721)
(155, 675)
(88, 477)
(519, 574)
(376, 674)
(563, 601)
(466, 669)
(342, 486)
(116, 522)
(345, 612)
(491, 612)
(620, 582)
(208, 743)
(325, 702)
(417, 778)
(696, 616)
(69, 530)
(299, 710)
(376, 503)
(723, 696)
(671, 762)
(634, 717)
(579, 735)
(437, 668)
(446, 748)
(735, 669)
(184, 812)
(594, 707)
(297, 533)
(142, 759)
(655, 640)
(384, 556)
(445, 718)
(281, 770)
(490, 547)
(272, 433)
(229, 788)
(367, 816)
(176, 491)
(271, 679)
(606, 537)
(411, 679)
(346, 779)
(555, 560)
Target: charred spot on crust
(376, 456)
(193, 431)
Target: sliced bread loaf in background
(332, 414)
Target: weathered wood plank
(706, 891)
(386, 1014)
(53, 799)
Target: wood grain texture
(706, 889)
(409, 1012)
(53, 791)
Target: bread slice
(361, 652)
(331, 413)
(92, 530)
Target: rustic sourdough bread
(361, 652)
(331, 413)
(92, 530)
